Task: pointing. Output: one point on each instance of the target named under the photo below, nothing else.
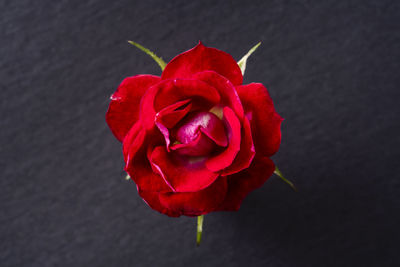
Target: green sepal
(242, 61)
(157, 59)
(278, 172)
(200, 220)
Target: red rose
(195, 140)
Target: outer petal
(201, 58)
(123, 110)
(242, 183)
(133, 142)
(229, 96)
(152, 199)
(225, 158)
(183, 174)
(136, 163)
(265, 122)
(246, 153)
(196, 203)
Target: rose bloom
(195, 140)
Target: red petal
(196, 203)
(133, 142)
(169, 92)
(136, 163)
(242, 183)
(200, 146)
(172, 91)
(201, 58)
(171, 115)
(183, 174)
(229, 96)
(151, 199)
(206, 122)
(225, 158)
(123, 110)
(265, 122)
(246, 153)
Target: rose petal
(123, 110)
(242, 183)
(136, 163)
(183, 174)
(265, 122)
(206, 122)
(227, 91)
(172, 91)
(201, 58)
(196, 203)
(225, 158)
(169, 116)
(200, 146)
(246, 152)
(168, 92)
(152, 199)
(133, 142)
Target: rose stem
(200, 220)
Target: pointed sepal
(243, 60)
(279, 173)
(157, 59)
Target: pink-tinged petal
(200, 146)
(242, 183)
(152, 199)
(246, 153)
(206, 122)
(196, 203)
(227, 91)
(201, 58)
(225, 158)
(183, 174)
(172, 91)
(136, 164)
(123, 110)
(265, 122)
(165, 132)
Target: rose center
(199, 133)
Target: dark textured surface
(332, 69)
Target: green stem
(200, 220)
(278, 172)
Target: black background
(332, 69)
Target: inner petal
(206, 122)
(200, 134)
(170, 116)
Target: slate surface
(332, 68)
